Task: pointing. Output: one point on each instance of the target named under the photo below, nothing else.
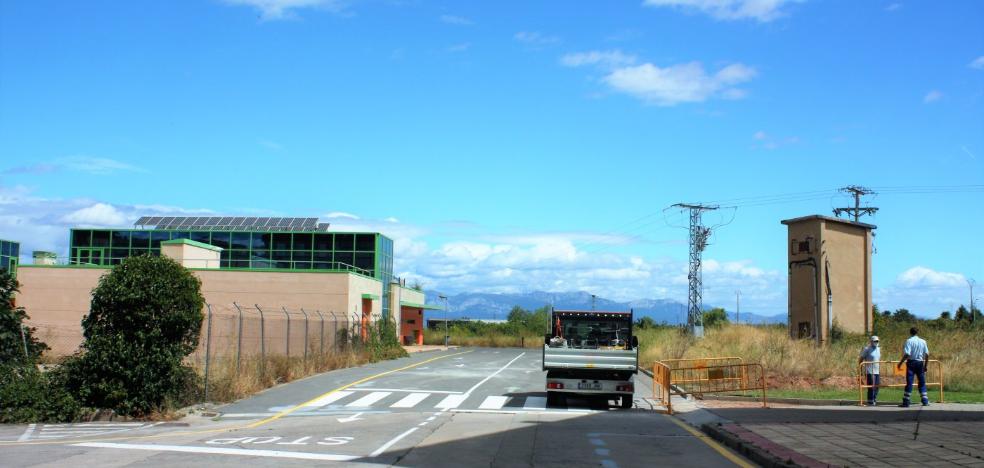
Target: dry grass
(799, 364)
(488, 340)
(254, 374)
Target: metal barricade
(699, 363)
(727, 378)
(661, 386)
(895, 378)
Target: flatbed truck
(592, 354)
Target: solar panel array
(230, 223)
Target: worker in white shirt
(871, 354)
(915, 355)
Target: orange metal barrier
(727, 378)
(698, 363)
(661, 385)
(895, 377)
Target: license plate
(588, 386)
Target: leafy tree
(945, 315)
(17, 341)
(645, 322)
(715, 317)
(903, 315)
(145, 318)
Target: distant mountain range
(497, 306)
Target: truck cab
(590, 353)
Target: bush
(27, 395)
(17, 342)
(145, 318)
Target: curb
(752, 452)
(788, 401)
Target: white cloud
(99, 214)
(284, 9)
(340, 214)
(536, 39)
(770, 142)
(893, 7)
(977, 63)
(86, 164)
(687, 82)
(920, 276)
(456, 20)
(932, 96)
(604, 58)
(759, 10)
(464, 46)
(924, 291)
(271, 145)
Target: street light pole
(445, 299)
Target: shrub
(27, 395)
(145, 318)
(17, 342)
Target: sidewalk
(786, 435)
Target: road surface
(461, 407)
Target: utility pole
(738, 306)
(592, 302)
(445, 299)
(971, 282)
(857, 192)
(698, 241)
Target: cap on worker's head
(874, 338)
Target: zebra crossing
(66, 431)
(396, 400)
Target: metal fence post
(208, 346)
(334, 335)
(322, 317)
(262, 341)
(288, 329)
(355, 332)
(239, 342)
(305, 333)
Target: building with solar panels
(9, 253)
(288, 263)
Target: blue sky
(510, 146)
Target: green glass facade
(9, 255)
(369, 254)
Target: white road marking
(494, 374)
(404, 390)
(535, 403)
(451, 401)
(597, 442)
(354, 417)
(369, 399)
(27, 433)
(602, 452)
(392, 441)
(493, 402)
(222, 451)
(410, 400)
(609, 464)
(326, 400)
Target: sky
(513, 146)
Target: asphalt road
(465, 407)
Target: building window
(411, 321)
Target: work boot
(905, 404)
(925, 402)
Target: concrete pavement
(445, 408)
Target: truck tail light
(625, 388)
(555, 385)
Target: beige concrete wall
(846, 248)
(57, 298)
(359, 285)
(192, 256)
(847, 255)
(412, 295)
(803, 283)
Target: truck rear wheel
(555, 399)
(626, 402)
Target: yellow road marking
(711, 443)
(231, 428)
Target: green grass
(885, 395)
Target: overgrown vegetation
(25, 393)
(227, 383)
(522, 328)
